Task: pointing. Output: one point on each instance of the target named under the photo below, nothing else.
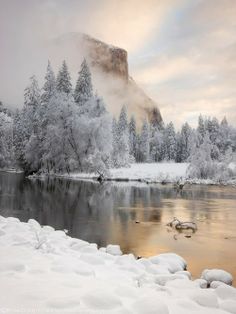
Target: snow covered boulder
(113, 249)
(78, 244)
(217, 275)
(202, 283)
(163, 279)
(34, 224)
(172, 261)
(216, 284)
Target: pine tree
(18, 138)
(49, 85)
(132, 137)
(201, 128)
(214, 130)
(32, 128)
(156, 143)
(184, 143)
(170, 142)
(123, 121)
(121, 157)
(145, 142)
(63, 82)
(84, 89)
(224, 122)
(32, 106)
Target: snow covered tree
(212, 126)
(19, 138)
(201, 164)
(63, 81)
(31, 126)
(170, 142)
(132, 137)
(83, 89)
(57, 155)
(49, 85)
(144, 145)
(121, 157)
(156, 144)
(90, 136)
(184, 143)
(201, 128)
(6, 140)
(32, 105)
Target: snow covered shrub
(203, 166)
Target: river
(132, 215)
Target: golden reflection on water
(213, 245)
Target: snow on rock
(113, 249)
(172, 261)
(45, 269)
(215, 284)
(217, 275)
(202, 283)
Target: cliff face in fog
(109, 59)
(110, 73)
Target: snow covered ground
(151, 172)
(46, 271)
(169, 172)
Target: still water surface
(108, 213)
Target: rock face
(107, 58)
(110, 74)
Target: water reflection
(108, 213)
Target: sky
(181, 52)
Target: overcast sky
(182, 52)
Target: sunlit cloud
(182, 52)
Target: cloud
(181, 51)
(195, 70)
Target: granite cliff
(109, 66)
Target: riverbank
(150, 173)
(43, 270)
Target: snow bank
(150, 172)
(43, 270)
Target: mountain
(110, 73)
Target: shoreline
(58, 272)
(87, 177)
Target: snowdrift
(44, 270)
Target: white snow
(113, 249)
(163, 172)
(217, 275)
(43, 270)
(150, 172)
